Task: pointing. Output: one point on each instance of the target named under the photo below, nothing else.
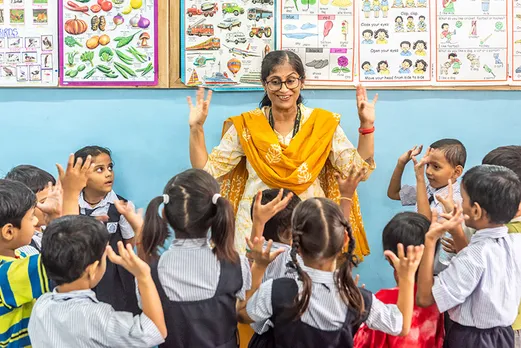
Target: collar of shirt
(196, 243)
(489, 233)
(109, 198)
(442, 191)
(318, 276)
(71, 295)
(38, 234)
(516, 219)
(277, 245)
(18, 254)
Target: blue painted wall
(148, 133)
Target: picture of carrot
(72, 6)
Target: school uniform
(481, 290)
(408, 198)
(327, 322)
(199, 294)
(117, 287)
(78, 319)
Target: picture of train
(213, 43)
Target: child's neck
(321, 265)
(7, 252)
(93, 197)
(78, 284)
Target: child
(444, 163)
(427, 323)
(275, 227)
(39, 182)
(482, 286)
(23, 279)
(199, 280)
(74, 254)
(117, 287)
(330, 306)
(509, 157)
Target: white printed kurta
(229, 153)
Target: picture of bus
(200, 29)
(213, 43)
(258, 14)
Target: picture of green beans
(121, 71)
(141, 57)
(104, 69)
(124, 58)
(89, 74)
(125, 68)
(146, 70)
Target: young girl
(324, 307)
(420, 67)
(383, 68)
(381, 36)
(198, 280)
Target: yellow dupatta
(294, 167)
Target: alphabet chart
(394, 42)
(322, 34)
(472, 42)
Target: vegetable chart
(108, 42)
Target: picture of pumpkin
(76, 26)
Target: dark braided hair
(319, 228)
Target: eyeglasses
(275, 85)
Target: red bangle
(365, 131)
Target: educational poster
(516, 42)
(472, 41)
(394, 42)
(322, 34)
(28, 43)
(223, 43)
(108, 42)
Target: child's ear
(92, 270)
(476, 212)
(458, 171)
(8, 232)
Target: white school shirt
(326, 311)
(102, 208)
(482, 285)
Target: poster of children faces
(28, 43)
(394, 42)
(322, 34)
(472, 42)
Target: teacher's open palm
(199, 111)
(366, 108)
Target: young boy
(481, 288)
(23, 279)
(38, 181)
(97, 199)
(443, 163)
(427, 323)
(509, 157)
(74, 254)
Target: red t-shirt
(427, 329)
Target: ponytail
(223, 231)
(349, 291)
(302, 300)
(155, 230)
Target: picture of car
(229, 23)
(232, 7)
(207, 9)
(262, 2)
(258, 14)
(258, 31)
(237, 37)
(193, 11)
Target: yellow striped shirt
(22, 281)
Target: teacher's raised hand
(366, 108)
(199, 112)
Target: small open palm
(366, 108)
(199, 111)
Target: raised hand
(263, 213)
(347, 185)
(74, 178)
(199, 111)
(419, 166)
(129, 260)
(366, 108)
(53, 204)
(262, 256)
(447, 201)
(406, 266)
(449, 223)
(134, 218)
(408, 156)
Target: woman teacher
(283, 144)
